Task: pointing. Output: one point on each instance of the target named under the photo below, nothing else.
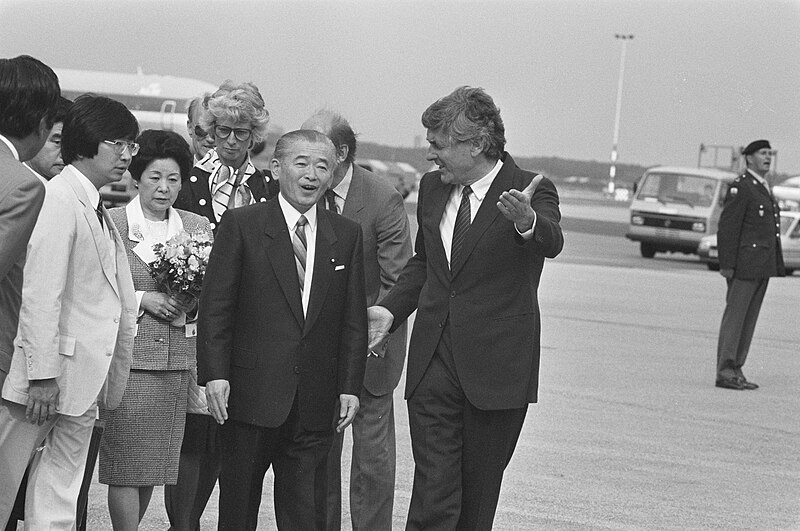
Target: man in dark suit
(749, 243)
(29, 95)
(372, 202)
(282, 336)
(485, 228)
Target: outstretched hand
(515, 205)
(380, 321)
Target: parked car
(790, 243)
(788, 194)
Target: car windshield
(786, 224)
(673, 188)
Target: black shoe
(747, 385)
(731, 383)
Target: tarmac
(630, 432)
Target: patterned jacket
(158, 345)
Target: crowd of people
(299, 330)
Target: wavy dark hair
(468, 114)
(156, 145)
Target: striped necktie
(299, 245)
(99, 212)
(330, 199)
(463, 221)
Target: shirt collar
(758, 178)
(291, 215)
(91, 191)
(342, 188)
(7, 142)
(481, 186)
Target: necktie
(463, 221)
(299, 245)
(330, 199)
(240, 194)
(99, 211)
(222, 192)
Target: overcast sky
(719, 72)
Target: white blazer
(78, 315)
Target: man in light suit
(364, 197)
(29, 95)
(282, 335)
(485, 228)
(77, 320)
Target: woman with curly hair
(226, 178)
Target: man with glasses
(225, 177)
(201, 141)
(77, 320)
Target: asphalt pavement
(630, 432)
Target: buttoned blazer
(748, 235)
(21, 197)
(251, 328)
(159, 346)
(78, 315)
(378, 208)
(195, 194)
(489, 297)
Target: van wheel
(789, 272)
(647, 250)
(712, 266)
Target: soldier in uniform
(749, 254)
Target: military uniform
(749, 244)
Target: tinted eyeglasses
(224, 132)
(120, 145)
(200, 133)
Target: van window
(671, 188)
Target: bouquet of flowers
(181, 263)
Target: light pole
(612, 171)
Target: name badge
(191, 329)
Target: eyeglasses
(224, 132)
(120, 145)
(200, 133)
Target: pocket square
(339, 267)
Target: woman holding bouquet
(142, 440)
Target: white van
(674, 207)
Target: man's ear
(44, 129)
(341, 153)
(476, 148)
(274, 167)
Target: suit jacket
(251, 327)
(159, 346)
(489, 296)
(748, 235)
(78, 315)
(21, 197)
(195, 194)
(378, 208)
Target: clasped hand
(164, 306)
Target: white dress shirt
(340, 192)
(7, 142)
(291, 215)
